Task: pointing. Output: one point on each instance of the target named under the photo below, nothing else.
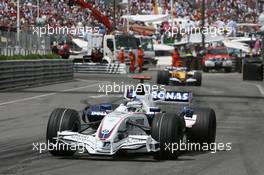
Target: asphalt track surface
(240, 117)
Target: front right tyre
(168, 130)
(198, 77)
(204, 130)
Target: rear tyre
(198, 77)
(163, 77)
(167, 129)
(204, 129)
(61, 120)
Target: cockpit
(139, 90)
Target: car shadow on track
(134, 157)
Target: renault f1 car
(138, 122)
(179, 76)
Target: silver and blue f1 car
(138, 122)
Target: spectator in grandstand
(58, 13)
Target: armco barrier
(21, 74)
(100, 68)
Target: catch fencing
(28, 43)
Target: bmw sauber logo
(104, 132)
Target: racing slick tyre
(204, 129)
(163, 77)
(62, 120)
(198, 77)
(168, 130)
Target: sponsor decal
(103, 145)
(100, 113)
(106, 131)
(171, 96)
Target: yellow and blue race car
(179, 76)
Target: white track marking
(83, 80)
(26, 99)
(98, 96)
(261, 89)
(258, 86)
(78, 88)
(102, 96)
(46, 95)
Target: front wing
(186, 81)
(96, 146)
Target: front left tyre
(62, 119)
(163, 77)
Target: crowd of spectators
(59, 13)
(240, 10)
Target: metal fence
(29, 43)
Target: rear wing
(172, 97)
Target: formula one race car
(179, 76)
(138, 122)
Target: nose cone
(181, 75)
